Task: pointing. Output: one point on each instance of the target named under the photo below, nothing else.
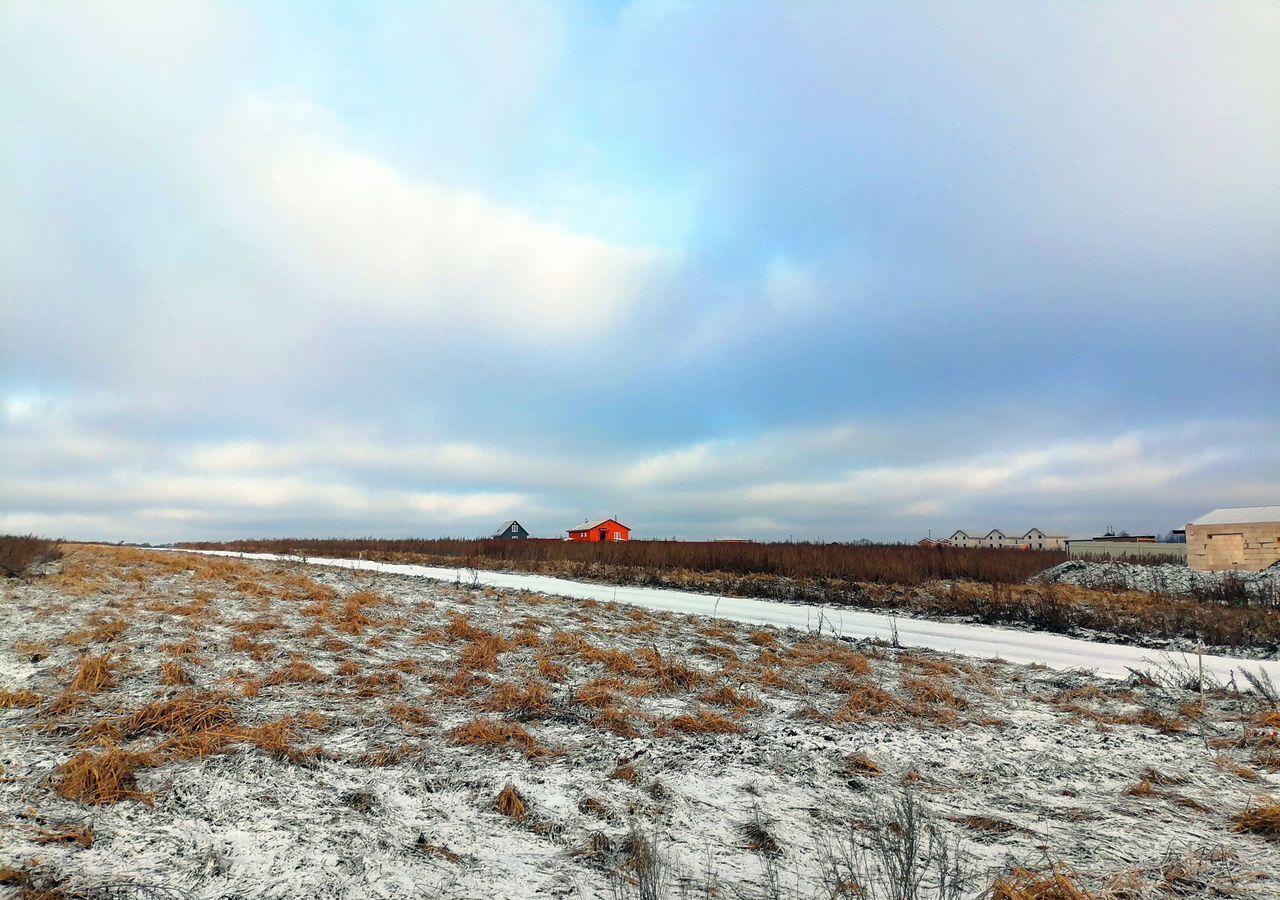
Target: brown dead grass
(15, 699)
(297, 672)
(181, 715)
(531, 699)
(483, 652)
(551, 670)
(80, 835)
(870, 703)
(1261, 817)
(617, 720)
(413, 715)
(173, 673)
(932, 690)
(101, 629)
(726, 696)
(100, 778)
(615, 661)
(862, 765)
(1228, 764)
(1058, 883)
(668, 676)
(511, 803)
(491, 735)
(94, 674)
(704, 721)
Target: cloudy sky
(720, 268)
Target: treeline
(877, 563)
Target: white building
(1034, 539)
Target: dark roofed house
(511, 531)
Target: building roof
(1240, 515)
(983, 535)
(504, 526)
(589, 524)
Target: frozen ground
(980, 641)
(345, 759)
(1167, 578)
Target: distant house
(594, 532)
(1033, 539)
(1245, 538)
(511, 531)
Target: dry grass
(871, 703)
(15, 699)
(511, 803)
(94, 674)
(107, 777)
(80, 835)
(181, 715)
(173, 673)
(101, 629)
(704, 721)
(531, 699)
(482, 652)
(932, 690)
(297, 672)
(492, 735)
(1022, 884)
(726, 696)
(754, 569)
(413, 715)
(615, 661)
(668, 676)
(551, 670)
(20, 553)
(1261, 816)
(617, 720)
(1228, 764)
(600, 692)
(985, 824)
(862, 765)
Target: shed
(1245, 538)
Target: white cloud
(350, 230)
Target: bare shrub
(902, 854)
(646, 872)
(21, 553)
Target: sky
(821, 271)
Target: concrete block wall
(1249, 547)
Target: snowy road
(981, 641)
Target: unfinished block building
(1245, 538)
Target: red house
(606, 530)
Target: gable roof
(590, 524)
(975, 535)
(1240, 515)
(502, 529)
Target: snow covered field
(980, 641)
(287, 730)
